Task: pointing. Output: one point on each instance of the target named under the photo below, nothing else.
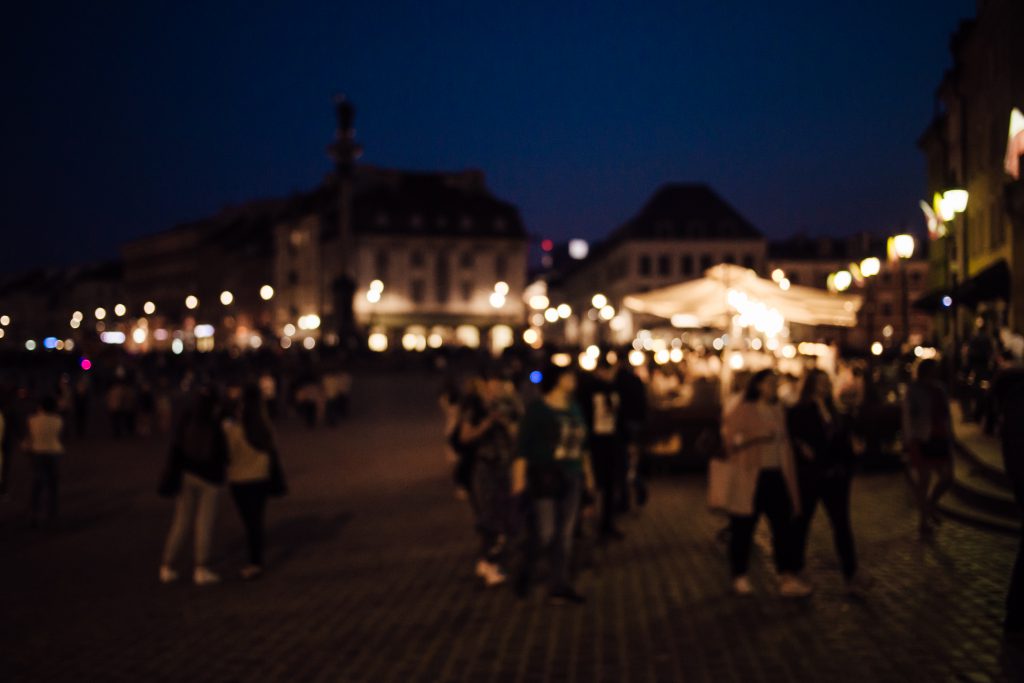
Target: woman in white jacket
(761, 478)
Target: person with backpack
(195, 474)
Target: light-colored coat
(743, 430)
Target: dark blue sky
(121, 122)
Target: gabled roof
(686, 211)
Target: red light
(547, 245)
(86, 363)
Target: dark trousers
(834, 494)
(251, 501)
(611, 461)
(44, 484)
(490, 493)
(771, 499)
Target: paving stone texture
(370, 578)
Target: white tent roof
(706, 302)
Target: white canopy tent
(728, 290)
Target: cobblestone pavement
(370, 579)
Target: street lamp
(902, 247)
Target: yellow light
(784, 284)
(77, 315)
(69, 344)
(902, 246)
(531, 336)
(736, 360)
(266, 292)
(1, 333)
(378, 341)
(551, 315)
(139, 335)
(6, 319)
(789, 351)
(637, 358)
(870, 266)
(226, 297)
(539, 302)
(778, 275)
(497, 300)
(662, 356)
(876, 349)
(607, 312)
(676, 355)
(149, 308)
(75, 323)
(308, 343)
(435, 341)
(612, 357)
(756, 344)
(286, 342)
(843, 280)
(956, 200)
(120, 309)
(593, 351)
(312, 321)
(289, 330)
(562, 360)
(717, 344)
(100, 313)
(564, 310)
(191, 302)
(599, 301)
(587, 362)
(501, 288)
(376, 286)
(373, 296)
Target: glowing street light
(784, 284)
(955, 200)
(501, 288)
(870, 266)
(266, 292)
(778, 275)
(497, 299)
(6, 319)
(902, 246)
(191, 302)
(100, 313)
(564, 311)
(120, 310)
(539, 302)
(876, 348)
(599, 301)
(226, 297)
(149, 308)
(842, 281)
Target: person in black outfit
(824, 459)
(1008, 392)
(633, 395)
(602, 409)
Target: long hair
(753, 391)
(255, 421)
(809, 388)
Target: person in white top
(44, 446)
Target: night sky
(125, 120)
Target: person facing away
(43, 444)
(603, 410)
(490, 424)
(762, 480)
(551, 468)
(823, 447)
(1008, 391)
(195, 474)
(928, 441)
(253, 471)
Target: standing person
(824, 464)
(44, 446)
(195, 474)
(81, 401)
(602, 408)
(490, 424)
(1008, 392)
(253, 472)
(928, 441)
(551, 467)
(633, 396)
(762, 481)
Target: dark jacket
(830, 442)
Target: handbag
(720, 477)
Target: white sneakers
(204, 577)
(167, 575)
(490, 573)
(741, 585)
(791, 586)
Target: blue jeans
(556, 520)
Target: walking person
(551, 469)
(490, 424)
(1008, 392)
(253, 471)
(602, 408)
(633, 394)
(928, 441)
(821, 437)
(761, 480)
(43, 444)
(195, 474)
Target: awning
(931, 302)
(990, 284)
(711, 301)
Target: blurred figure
(822, 442)
(194, 474)
(115, 408)
(82, 400)
(551, 468)
(310, 398)
(633, 398)
(1008, 392)
(462, 473)
(44, 445)
(146, 408)
(761, 480)
(928, 441)
(268, 389)
(490, 424)
(602, 407)
(253, 471)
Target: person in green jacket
(550, 469)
